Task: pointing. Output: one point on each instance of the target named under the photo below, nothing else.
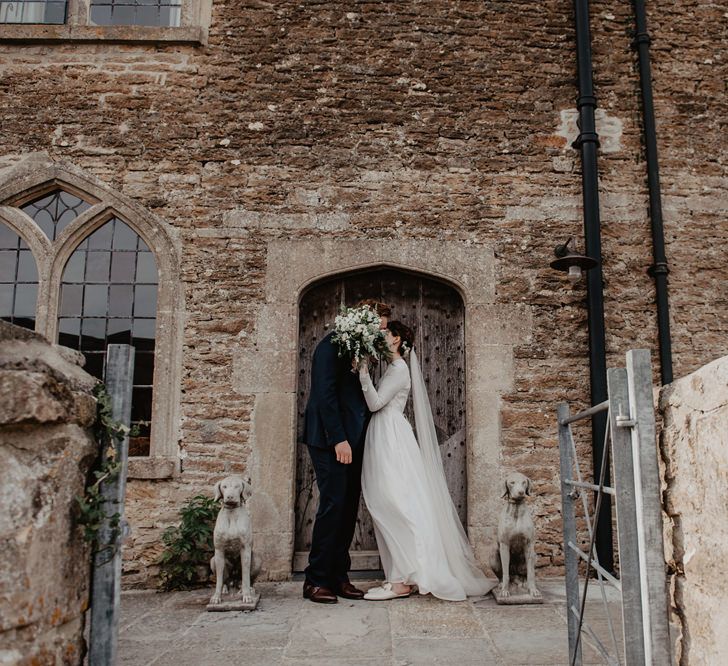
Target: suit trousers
(339, 492)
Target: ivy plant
(188, 546)
(92, 509)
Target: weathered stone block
(499, 324)
(490, 370)
(32, 397)
(44, 458)
(272, 467)
(264, 371)
(694, 446)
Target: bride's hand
(364, 366)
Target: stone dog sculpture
(233, 538)
(514, 556)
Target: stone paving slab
(340, 631)
(428, 617)
(461, 651)
(207, 654)
(174, 629)
(527, 635)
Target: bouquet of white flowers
(358, 336)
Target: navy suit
(336, 411)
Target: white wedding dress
(421, 540)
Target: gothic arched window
(103, 264)
(18, 280)
(109, 296)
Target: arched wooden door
(435, 311)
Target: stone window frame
(193, 29)
(491, 331)
(32, 180)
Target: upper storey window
(33, 11)
(136, 12)
(118, 21)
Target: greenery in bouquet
(358, 336)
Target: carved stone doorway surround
(266, 366)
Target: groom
(336, 418)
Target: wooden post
(568, 516)
(106, 585)
(649, 510)
(619, 424)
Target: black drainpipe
(587, 143)
(658, 270)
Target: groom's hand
(343, 453)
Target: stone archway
(491, 331)
(436, 313)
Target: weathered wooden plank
(452, 450)
(106, 587)
(649, 510)
(443, 348)
(568, 516)
(361, 560)
(626, 516)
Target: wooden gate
(435, 311)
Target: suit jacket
(336, 409)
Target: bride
(420, 538)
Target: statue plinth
(234, 602)
(516, 596)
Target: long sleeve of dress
(394, 380)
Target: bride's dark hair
(404, 333)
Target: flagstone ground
(175, 629)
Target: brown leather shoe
(348, 591)
(319, 595)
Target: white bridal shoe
(384, 593)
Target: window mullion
(46, 322)
(77, 12)
(15, 280)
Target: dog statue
(514, 556)
(232, 538)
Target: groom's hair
(382, 309)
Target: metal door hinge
(623, 420)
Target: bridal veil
(457, 548)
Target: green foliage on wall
(92, 509)
(188, 546)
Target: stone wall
(694, 448)
(427, 121)
(46, 409)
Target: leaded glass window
(109, 296)
(55, 211)
(136, 12)
(33, 11)
(18, 280)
